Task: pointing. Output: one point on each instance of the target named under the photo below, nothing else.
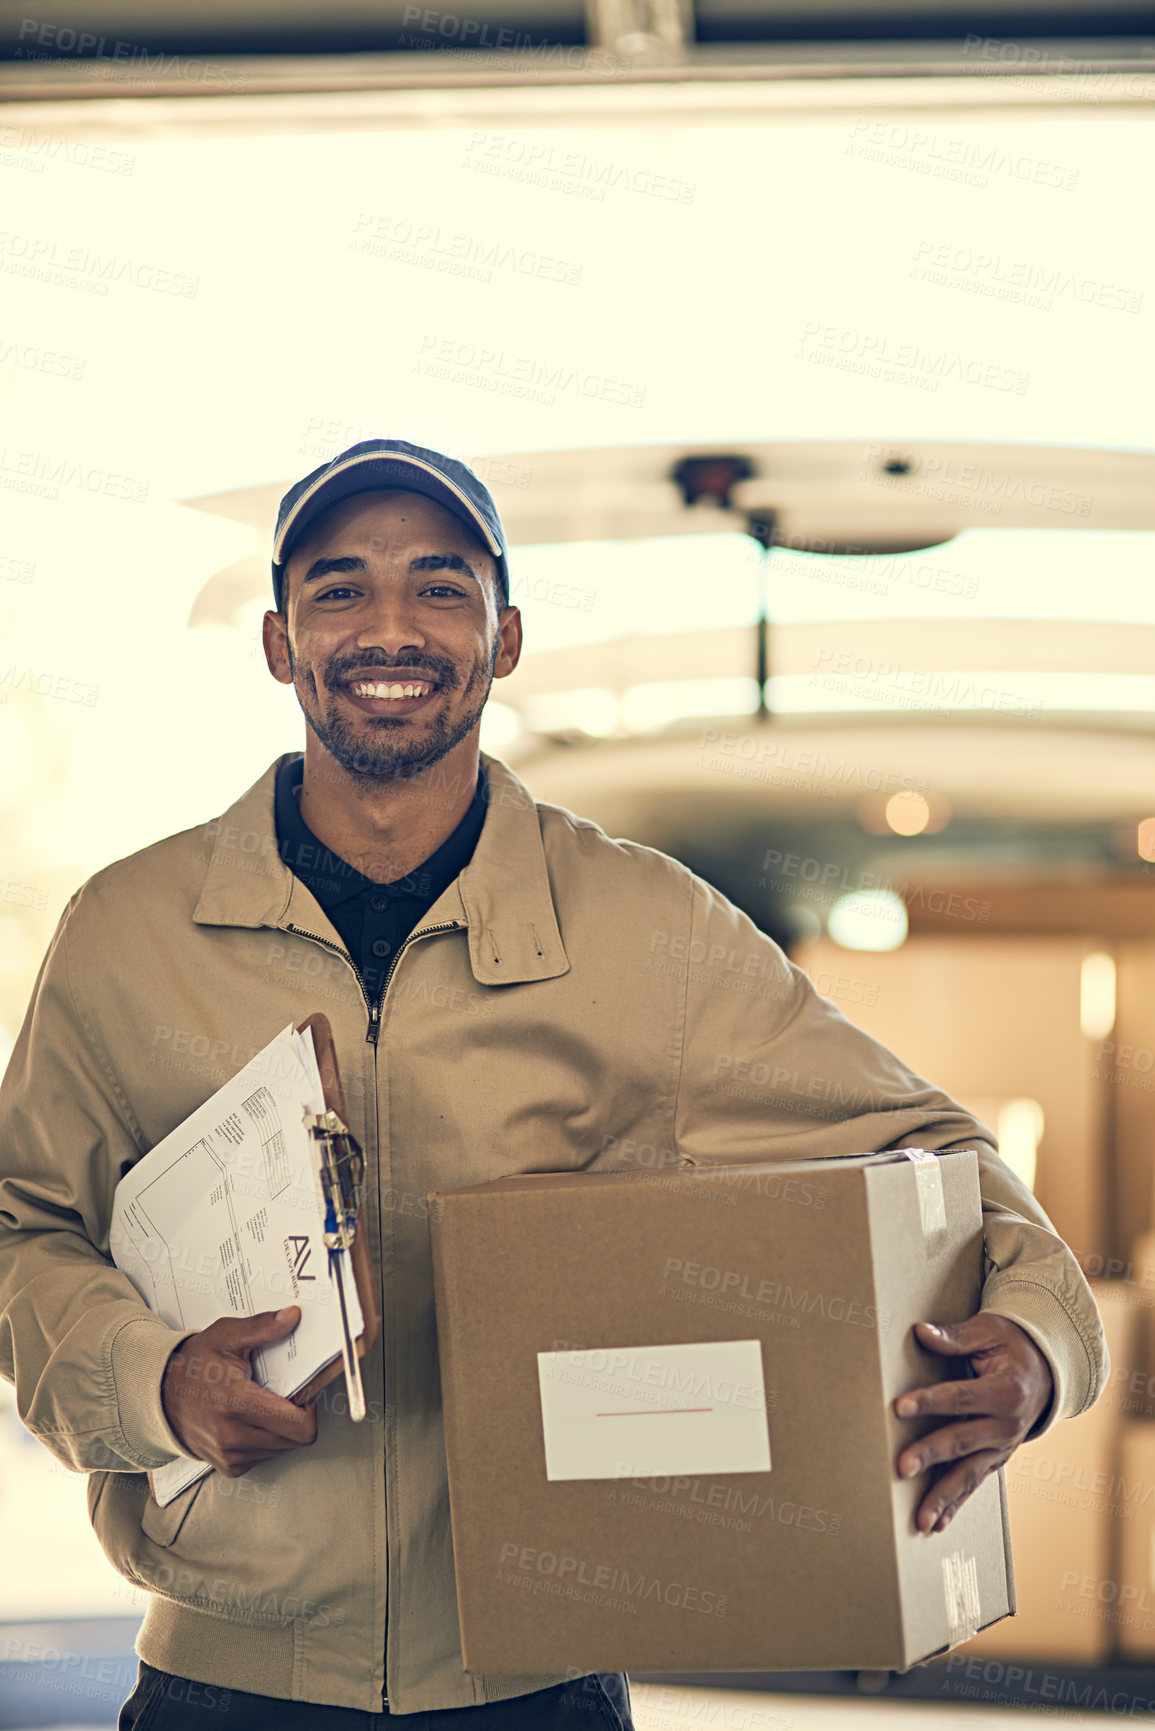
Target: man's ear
(275, 640)
(509, 642)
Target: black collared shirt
(373, 919)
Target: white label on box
(636, 1412)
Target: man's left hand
(985, 1416)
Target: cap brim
(366, 473)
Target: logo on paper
(301, 1252)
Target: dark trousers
(162, 1702)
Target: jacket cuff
(139, 1355)
(1077, 1376)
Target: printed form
(225, 1217)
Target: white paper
(645, 1411)
(224, 1218)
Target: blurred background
(807, 352)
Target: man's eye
(442, 589)
(341, 589)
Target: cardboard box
(1127, 1596)
(1127, 1059)
(1134, 1377)
(995, 1017)
(796, 1286)
(1070, 1506)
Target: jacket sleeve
(772, 1071)
(86, 1354)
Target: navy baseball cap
(377, 463)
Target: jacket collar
(503, 894)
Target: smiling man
(392, 652)
(486, 964)
(444, 681)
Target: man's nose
(390, 623)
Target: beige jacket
(570, 1003)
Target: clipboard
(358, 1253)
(181, 1172)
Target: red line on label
(653, 1412)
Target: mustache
(443, 673)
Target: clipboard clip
(341, 1168)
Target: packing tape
(960, 1586)
(931, 1202)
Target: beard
(380, 747)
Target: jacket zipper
(374, 1009)
(378, 1007)
(338, 951)
(371, 1036)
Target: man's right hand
(215, 1409)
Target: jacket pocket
(163, 1525)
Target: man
(483, 961)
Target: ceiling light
(868, 920)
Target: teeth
(366, 688)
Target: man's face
(391, 633)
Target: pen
(342, 1169)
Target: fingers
(229, 1398)
(267, 1413)
(237, 1448)
(1012, 1379)
(978, 1397)
(994, 1408)
(950, 1442)
(947, 1496)
(959, 1339)
(986, 1331)
(214, 1407)
(242, 1333)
